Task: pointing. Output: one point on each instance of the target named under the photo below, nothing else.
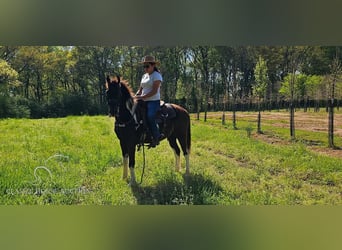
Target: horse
(129, 126)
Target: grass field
(77, 160)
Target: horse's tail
(189, 138)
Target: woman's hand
(139, 97)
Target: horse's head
(113, 94)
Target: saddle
(163, 116)
(166, 112)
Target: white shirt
(147, 85)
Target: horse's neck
(126, 106)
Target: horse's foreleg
(131, 166)
(125, 166)
(125, 159)
(133, 181)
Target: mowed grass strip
(83, 157)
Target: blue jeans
(152, 109)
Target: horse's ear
(108, 79)
(117, 76)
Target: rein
(144, 164)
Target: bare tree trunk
(206, 106)
(26, 87)
(305, 104)
(330, 105)
(224, 117)
(198, 97)
(234, 112)
(292, 122)
(292, 107)
(207, 94)
(259, 123)
(39, 88)
(259, 119)
(336, 71)
(224, 109)
(331, 124)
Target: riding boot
(162, 136)
(154, 143)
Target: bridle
(115, 101)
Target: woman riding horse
(149, 92)
(130, 132)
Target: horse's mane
(124, 83)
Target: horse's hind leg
(176, 150)
(186, 152)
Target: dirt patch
(327, 151)
(279, 141)
(309, 121)
(303, 120)
(271, 139)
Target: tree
(201, 62)
(313, 92)
(8, 83)
(260, 87)
(93, 63)
(8, 75)
(130, 68)
(51, 80)
(225, 55)
(276, 70)
(237, 78)
(335, 76)
(294, 56)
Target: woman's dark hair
(155, 68)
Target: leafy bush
(14, 107)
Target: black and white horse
(130, 132)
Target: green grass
(84, 158)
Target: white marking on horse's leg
(187, 162)
(125, 167)
(177, 161)
(132, 181)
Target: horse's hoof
(132, 184)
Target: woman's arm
(154, 90)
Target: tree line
(54, 81)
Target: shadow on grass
(194, 189)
